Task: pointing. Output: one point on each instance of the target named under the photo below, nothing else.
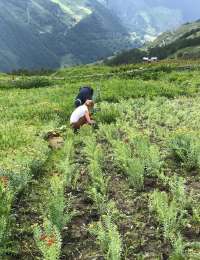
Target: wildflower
(51, 241)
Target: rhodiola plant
(48, 240)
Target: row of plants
(170, 124)
(170, 210)
(19, 165)
(133, 153)
(105, 230)
(56, 208)
(138, 158)
(26, 82)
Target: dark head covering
(84, 94)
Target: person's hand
(92, 122)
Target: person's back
(81, 115)
(78, 113)
(85, 93)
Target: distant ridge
(181, 43)
(36, 34)
(53, 33)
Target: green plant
(148, 154)
(96, 175)
(108, 113)
(57, 207)
(32, 82)
(177, 189)
(97, 189)
(196, 214)
(16, 181)
(108, 132)
(65, 163)
(108, 238)
(6, 199)
(131, 165)
(122, 153)
(98, 198)
(178, 249)
(186, 148)
(135, 172)
(68, 149)
(153, 162)
(90, 149)
(168, 213)
(48, 240)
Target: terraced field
(126, 189)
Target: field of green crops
(126, 189)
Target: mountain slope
(148, 18)
(36, 34)
(181, 43)
(188, 29)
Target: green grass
(146, 147)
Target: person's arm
(87, 116)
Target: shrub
(132, 166)
(168, 213)
(57, 204)
(6, 199)
(98, 198)
(16, 180)
(64, 164)
(177, 189)
(108, 132)
(97, 178)
(48, 240)
(97, 189)
(196, 214)
(108, 238)
(33, 82)
(178, 249)
(135, 171)
(186, 148)
(108, 113)
(148, 153)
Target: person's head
(89, 103)
(90, 89)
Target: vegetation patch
(128, 189)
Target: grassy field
(128, 189)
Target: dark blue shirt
(84, 94)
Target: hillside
(181, 43)
(126, 189)
(39, 34)
(147, 18)
(49, 34)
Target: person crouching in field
(85, 93)
(81, 115)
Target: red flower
(50, 241)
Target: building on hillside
(149, 60)
(154, 59)
(146, 59)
